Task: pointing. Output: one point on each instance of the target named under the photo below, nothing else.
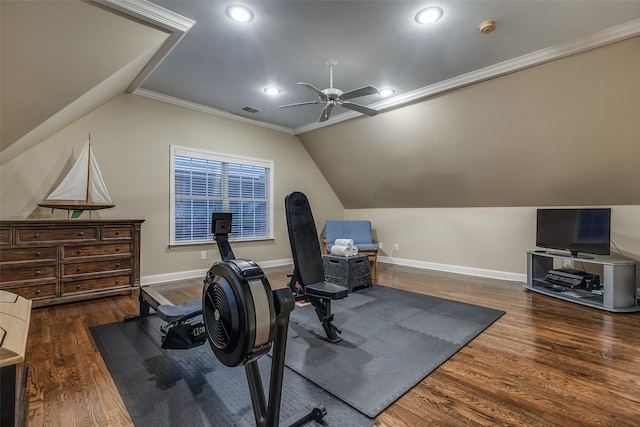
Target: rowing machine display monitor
(244, 320)
(221, 223)
(221, 227)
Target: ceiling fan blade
(360, 108)
(299, 103)
(363, 91)
(320, 93)
(326, 112)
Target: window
(204, 182)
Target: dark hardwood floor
(546, 362)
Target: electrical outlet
(566, 263)
(379, 245)
(203, 254)
(395, 247)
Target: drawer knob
(77, 286)
(36, 235)
(117, 281)
(81, 233)
(79, 268)
(117, 264)
(38, 291)
(118, 249)
(38, 254)
(37, 272)
(79, 251)
(117, 232)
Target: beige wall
(469, 240)
(55, 52)
(131, 137)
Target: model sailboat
(82, 189)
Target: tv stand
(617, 276)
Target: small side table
(15, 316)
(351, 272)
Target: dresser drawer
(89, 285)
(13, 273)
(34, 292)
(33, 234)
(117, 232)
(71, 269)
(41, 259)
(29, 254)
(5, 236)
(75, 251)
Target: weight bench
(308, 280)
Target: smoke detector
(487, 27)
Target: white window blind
(204, 182)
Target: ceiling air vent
(250, 109)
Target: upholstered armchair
(357, 230)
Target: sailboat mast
(88, 172)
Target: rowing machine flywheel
(238, 311)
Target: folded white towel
(344, 250)
(343, 242)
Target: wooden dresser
(52, 261)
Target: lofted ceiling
(69, 57)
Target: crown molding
(152, 14)
(582, 44)
(209, 110)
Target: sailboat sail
(82, 188)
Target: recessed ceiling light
(272, 90)
(428, 15)
(386, 91)
(240, 13)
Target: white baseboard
(449, 268)
(190, 274)
(469, 271)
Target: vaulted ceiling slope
(61, 60)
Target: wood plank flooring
(546, 362)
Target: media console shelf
(617, 277)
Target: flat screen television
(586, 230)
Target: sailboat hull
(73, 205)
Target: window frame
(178, 150)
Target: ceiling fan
(333, 96)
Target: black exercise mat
(392, 339)
(190, 388)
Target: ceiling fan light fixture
(387, 91)
(272, 90)
(239, 13)
(428, 15)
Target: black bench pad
(326, 290)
